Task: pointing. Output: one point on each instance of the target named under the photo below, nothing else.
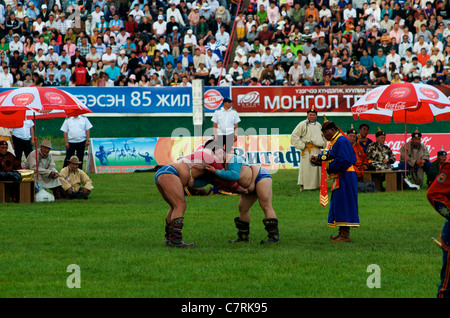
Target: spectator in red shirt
(131, 26)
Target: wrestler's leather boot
(271, 226)
(343, 236)
(174, 234)
(243, 231)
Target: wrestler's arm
(232, 173)
(439, 192)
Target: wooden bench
(393, 178)
(24, 191)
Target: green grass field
(117, 239)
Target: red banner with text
(288, 99)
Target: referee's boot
(243, 231)
(343, 236)
(271, 226)
(174, 235)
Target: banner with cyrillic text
(144, 99)
(287, 99)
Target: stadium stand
(223, 42)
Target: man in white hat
(160, 26)
(75, 182)
(190, 41)
(185, 58)
(44, 13)
(48, 175)
(227, 81)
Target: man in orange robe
(362, 162)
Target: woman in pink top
(29, 47)
(69, 47)
(273, 13)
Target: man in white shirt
(76, 136)
(160, 27)
(16, 45)
(267, 58)
(42, 45)
(6, 78)
(421, 44)
(314, 58)
(23, 139)
(413, 69)
(349, 12)
(276, 49)
(295, 73)
(162, 45)
(190, 41)
(386, 24)
(325, 12)
(89, 25)
(223, 36)
(392, 57)
(308, 74)
(404, 45)
(97, 15)
(218, 71)
(375, 11)
(225, 124)
(447, 31)
(137, 13)
(51, 56)
(108, 57)
(122, 37)
(427, 71)
(174, 12)
(211, 59)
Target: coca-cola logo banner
(433, 142)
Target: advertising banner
(144, 99)
(247, 99)
(121, 155)
(288, 99)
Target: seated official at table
(433, 172)
(417, 158)
(380, 155)
(75, 182)
(362, 138)
(8, 161)
(48, 175)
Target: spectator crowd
(170, 43)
